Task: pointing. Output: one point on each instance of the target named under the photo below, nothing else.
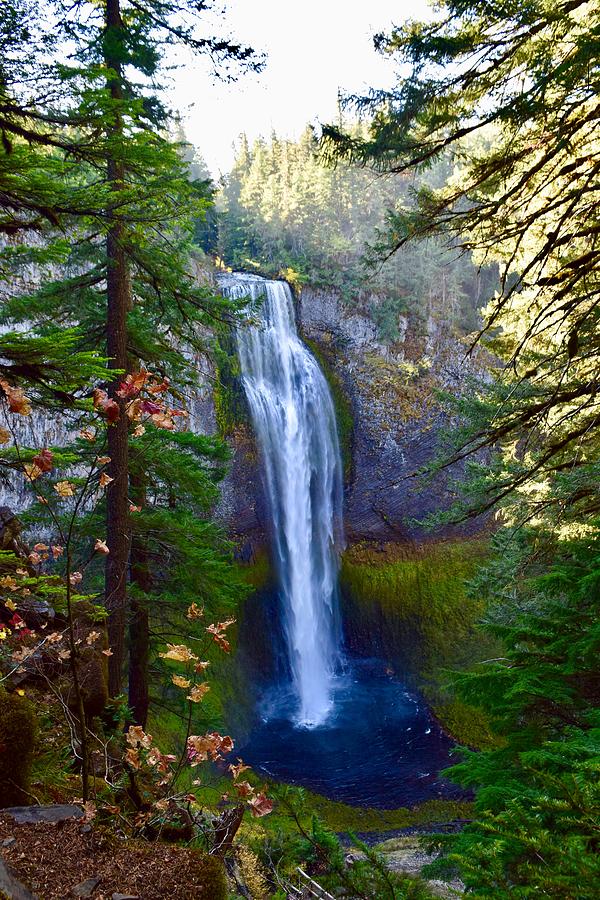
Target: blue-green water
(379, 746)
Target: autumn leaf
(102, 460)
(64, 489)
(163, 420)
(133, 508)
(260, 805)
(226, 744)
(105, 479)
(137, 736)
(158, 387)
(133, 384)
(151, 408)
(7, 581)
(138, 431)
(217, 630)
(133, 757)
(32, 471)
(198, 691)
(4, 436)
(75, 578)
(10, 604)
(57, 550)
(44, 460)
(237, 770)
(107, 652)
(87, 434)
(244, 789)
(101, 547)
(180, 681)
(17, 401)
(92, 637)
(107, 407)
(195, 611)
(178, 652)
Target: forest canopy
(282, 208)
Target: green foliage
(18, 732)
(314, 847)
(510, 91)
(537, 801)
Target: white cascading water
(294, 419)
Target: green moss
(340, 817)
(343, 407)
(208, 876)
(227, 396)
(18, 732)
(410, 606)
(258, 573)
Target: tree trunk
(118, 303)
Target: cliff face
(392, 425)
(397, 426)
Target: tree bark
(118, 303)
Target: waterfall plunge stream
(294, 420)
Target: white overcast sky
(314, 48)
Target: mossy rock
(208, 876)
(410, 607)
(18, 733)
(344, 415)
(92, 666)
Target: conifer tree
(511, 91)
(123, 240)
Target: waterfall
(294, 421)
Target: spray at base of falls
(294, 420)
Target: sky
(314, 49)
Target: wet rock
(36, 613)
(12, 888)
(86, 888)
(31, 815)
(11, 540)
(405, 854)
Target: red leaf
(150, 407)
(43, 460)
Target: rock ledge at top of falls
(397, 426)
